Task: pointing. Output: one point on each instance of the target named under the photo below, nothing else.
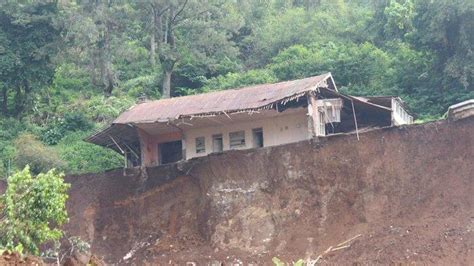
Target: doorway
(257, 134)
(170, 152)
(217, 143)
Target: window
(217, 144)
(322, 126)
(170, 152)
(257, 134)
(237, 139)
(200, 145)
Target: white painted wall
(399, 115)
(276, 131)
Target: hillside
(407, 191)
(68, 68)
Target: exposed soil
(407, 191)
(7, 258)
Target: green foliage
(399, 18)
(446, 28)
(277, 262)
(28, 36)
(69, 66)
(236, 80)
(9, 129)
(363, 68)
(143, 86)
(53, 133)
(102, 109)
(71, 122)
(83, 157)
(33, 209)
(32, 152)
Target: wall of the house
(399, 115)
(461, 110)
(281, 129)
(149, 145)
(276, 130)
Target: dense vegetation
(32, 211)
(69, 67)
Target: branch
(156, 7)
(198, 14)
(181, 10)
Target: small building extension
(169, 130)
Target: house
(170, 130)
(461, 110)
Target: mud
(408, 191)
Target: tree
(399, 16)
(33, 209)
(447, 28)
(28, 43)
(183, 29)
(93, 33)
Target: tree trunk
(166, 83)
(153, 37)
(92, 70)
(110, 81)
(106, 74)
(4, 101)
(18, 100)
(152, 49)
(168, 61)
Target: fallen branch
(349, 240)
(339, 246)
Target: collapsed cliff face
(407, 191)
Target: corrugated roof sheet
(226, 101)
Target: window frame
(199, 149)
(243, 142)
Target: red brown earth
(408, 191)
(8, 258)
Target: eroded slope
(408, 191)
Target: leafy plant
(71, 122)
(33, 209)
(82, 157)
(30, 151)
(277, 262)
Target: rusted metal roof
(222, 102)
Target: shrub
(33, 209)
(143, 86)
(83, 157)
(32, 152)
(55, 131)
(100, 108)
(76, 122)
(235, 80)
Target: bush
(100, 108)
(55, 131)
(76, 122)
(363, 68)
(9, 130)
(32, 152)
(83, 157)
(235, 80)
(7, 153)
(143, 86)
(33, 209)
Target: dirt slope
(407, 191)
